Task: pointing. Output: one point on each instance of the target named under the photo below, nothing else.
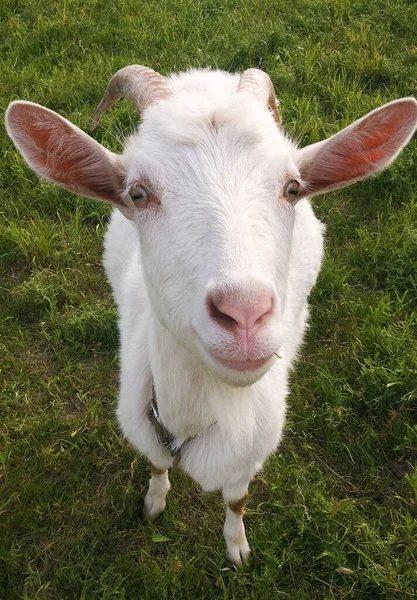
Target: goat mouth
(249, 364)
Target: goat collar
(165, 437)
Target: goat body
(211, 255)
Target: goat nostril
(220, 317)
(264, 316)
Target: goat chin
(212, 221)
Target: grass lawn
(333, 514)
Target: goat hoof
(238, 554)
(152, 509)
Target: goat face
(216, 229)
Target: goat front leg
(235, 495)
(159, 486)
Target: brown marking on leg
(238, 506)
(156, 470)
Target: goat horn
(141, 84)
(259, 84)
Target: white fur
(224, 222)
(218, 165)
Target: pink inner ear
(347, 167)
(63, 153)
(363, 148)
(386, 131)
(59, 151)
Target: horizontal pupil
(294, 192)
(138, 196)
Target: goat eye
(291, 190)
(139, 195)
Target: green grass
(333, 514)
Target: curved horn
(141, 84)
(259, 84)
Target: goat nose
(233, 315)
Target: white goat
(211, 254)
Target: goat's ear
(362, 149)
(57, 150)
